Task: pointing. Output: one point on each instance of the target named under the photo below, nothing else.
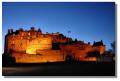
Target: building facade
(32, 46)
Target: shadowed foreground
(60, 69)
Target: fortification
(32, 46)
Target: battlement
(31, 40)
(52, 46)
(32, 32)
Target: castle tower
(39, 32)
(10, 31)
(32, 31)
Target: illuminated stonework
(39, 44)
(32, 46)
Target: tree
(113, 46)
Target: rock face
(32, 46)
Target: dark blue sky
(86, 21)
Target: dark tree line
(113, 45)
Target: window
(20, 44)
(12, 44)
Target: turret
(32, 28)
(10, 31)
(89, 43)
(58, 33)
(39, 30)
(100, 43)
(21, 29)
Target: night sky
(87, 21)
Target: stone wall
(45, 56)
(39, 44)
(24, 44)
(34, 47)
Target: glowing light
(34, 45)
(90, 59)
(31, 49)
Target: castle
(32, 46)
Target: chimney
(10, 31)
(89, 43)
(39, 30)
(32, 28)
(21, 29)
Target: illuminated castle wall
(32, 46)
